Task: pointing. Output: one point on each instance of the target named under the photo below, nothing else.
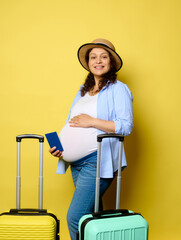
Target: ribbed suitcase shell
(24, 227)
(115, 227)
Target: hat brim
(84, 48)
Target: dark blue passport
(54, 141)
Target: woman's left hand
(82, 120)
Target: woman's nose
(98, 59)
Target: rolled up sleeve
(123, 100)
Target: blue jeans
(84, 177)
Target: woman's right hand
(55, 153)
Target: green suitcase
(119, 224)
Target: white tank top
(76, 141)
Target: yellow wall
(40, 74)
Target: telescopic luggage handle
(118, 191)
(19, 137)
(110, 135)
(18, 178)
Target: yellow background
(40, 75)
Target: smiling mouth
(99, 67)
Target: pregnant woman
(102, 105)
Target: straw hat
(99, 43)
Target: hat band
(103, 44)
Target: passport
(54, 141)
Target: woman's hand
(55, 153)
(82, 120)
(86, 121)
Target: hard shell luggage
(118, 224)
(27, 224)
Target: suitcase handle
(118, 190)
(110, 135)
(41, 138)
(18, 177)
(27, 210)
(108, 212)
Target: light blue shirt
(114, 103)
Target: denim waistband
(87, 158)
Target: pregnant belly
(77, 142)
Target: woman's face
(99, 62)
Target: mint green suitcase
(119, 224)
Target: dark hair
(108, 78)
